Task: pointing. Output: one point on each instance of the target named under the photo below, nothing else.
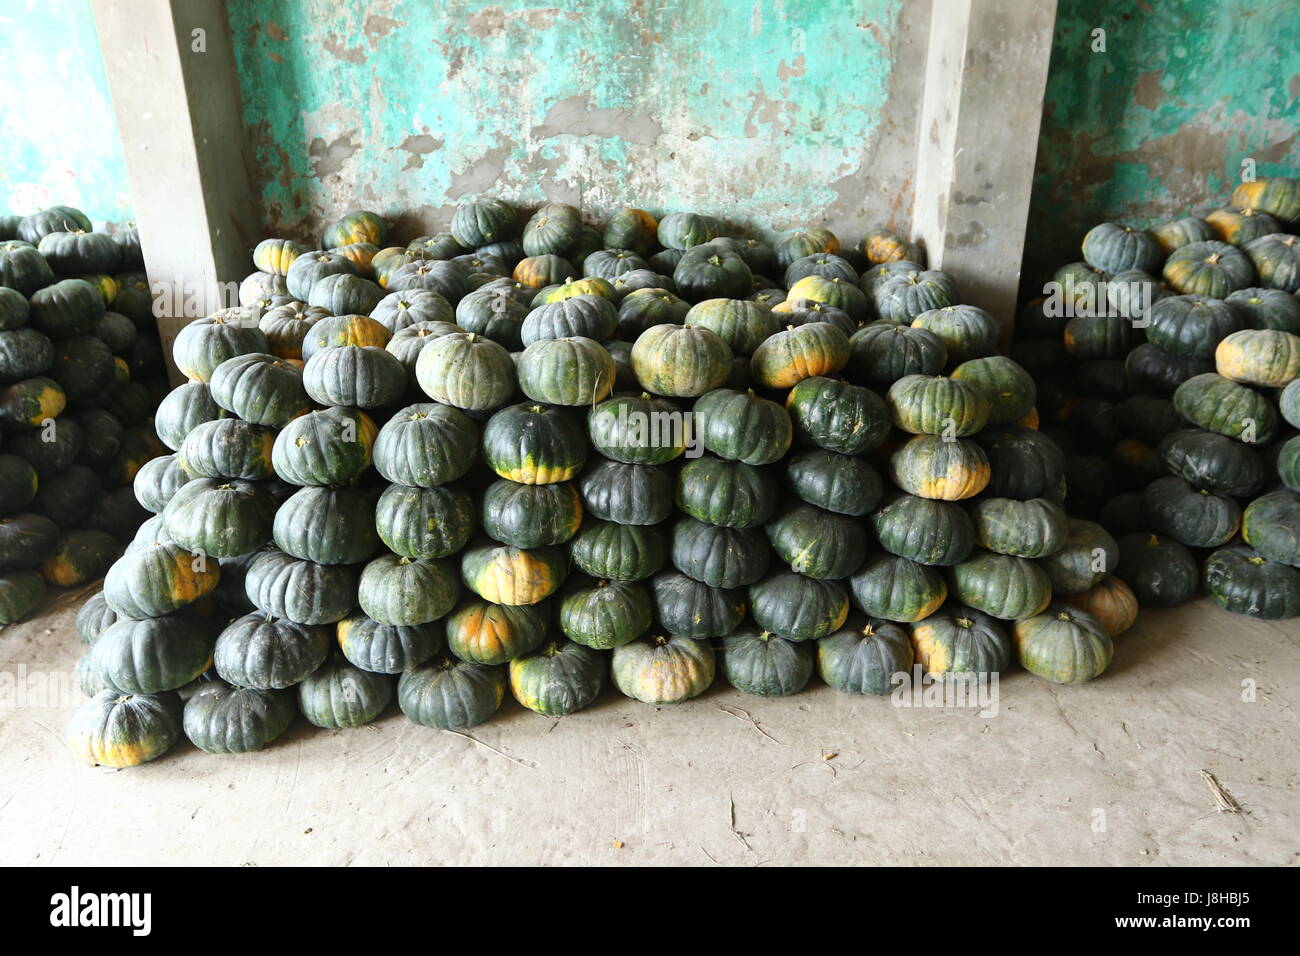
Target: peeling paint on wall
(58, 135)
(777, 110)
(1157, 126)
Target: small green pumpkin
(883, 352)
(680, 360)
(605, 614)
(1008, 388)
(466, 372)
(1267, 309)
(838, 416)
(1064, 645)
(1271, 525)
(228, 448)
(1264, 357)
(158, 579)
(573, 371)
(685, 607)
(20, 593)
(762, 664)
(961, 641)
(558, 679)
(1191, 326)
(1196, 517)
(113, 729)
(967, 332)
(153, 655)
(1226, 407)
(485, 633)
(798, 608)
(260, 389)
(640, 430)
(1035, 528)
(864, 656)
(898, 589)
(222, 519)
(716, 556)
(743, 325)
(220, 718)
(329, 447)
(604, 549)
(534, 444)
(526, 516)
(937, 405)
(924, 530)
(663, 669)
(1111, 602)
(933, 467)
(280, 585)
(338, 694)
(425, 445)
(800, 352)
(584, 315)
(1112, 247)
(729, 493)
(903, 294)
(355, 376)
(449, 694)
(330, 525)
(387, 648)
(1023, 463)
(1276, 195)
(742, 426)
(503, 574)
(643, 308)
(841, 483)
(1242, 581)
(1087, 555)
(1001, 585)
(817, 543)
(1160, 571)
(204, 344)
(1276, 259)
(1208, 268)
(407, 591)
(626, 494)
(267, 653)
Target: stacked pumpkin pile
(524, 473)
(80, 374)
(1175, 394)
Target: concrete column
(986, 70)
(172, 77)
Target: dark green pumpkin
(841, 483)
(1008, 388)
(228, 448)
(741, 426)
(1088, 554)
(286, 327)
(1196, 517)
(479, 222)
(933, 467)
(680, 361)
(449, 694)
(1267, 309)
(1001, 585)
(68, 497)
(526, 516)
(552, 229)
(82, 555)
(898, 589)
(407, 344)
(719, 557)
(604, 549)
(710, 271)
(31, 403)
(496, 314)
(605, 614)
(574, 371)
(183, 409)
(426, 445)
(261, 389)
(728, 493)
(924, 530)
(663, 669)
(1151, 369)
(688, 608)
(354, 376)
(405, 591)
(94, 618)
(50, 449)
(20, 593)
(611, 263)
(68, 307)
(153, 655)
(938, 405)
(26, 539)
(328, 447)
(762, 664)
(817, 543)
(18, 484)
(1271, 525)
(837, 416)
(798, 608)
(14, 307)
(1112, 247)
(1191, 326)
(1276, 258)
(630, 228)
(967, 332)
(1035, 528)
(1161, 572)
(534, 444)
(157, 579)
(962, 642)
(641, 430)
(281, 585)
(268, 653)
(741, 324)
(338, 694)
(329, 525)
(24, 353)
(864, 656)
(682, 230)
(1226, 407)
(884, 352)
(1151, 418)
(221, 718)
(466, 371)
(646, 307)
(423, 522)
(221, 518)
(23, 269)
(1242, 581)
(585, 315)
(626, 494)
(387, 648)
(486, 633)
(1208, 268)
(1023, 463)
(557, 679)
(1179, 232)
(1064, 645)
(113, 729)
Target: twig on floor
(745, 715)
(1224, 801)
(522, 763)
(710, 856)
(731, 823)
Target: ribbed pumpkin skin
(158, 579)
(864, 656)
(897, 589)
(817, 543)
(540, 271)
(354, 376)
(448, 694)
(838, 416)
(228, 448)
(204, 344)
(1086, 556)
(528, 516)
(1063, 645)
(741, 324)
(967, 332)
(1288, 462)
(574, 371)
(1027, 529)
(640, 430)
(806, 351)
(223, 719)
(329, 447)
(1277, 195)
(414, 307)
(94, 618)
(1243, 582)
(1112, 247)
(24, 270)
(931, 467)
(728, 493)
(79, 555)
(883, 352)
(646, 307)
(626, 494)
(18, 484)
(1239, 227)
(405, 592)
(1111, 602)
(286, 327)
(719, 557)
(937, 405)
(122, 730)
(276, 255)
(630, 228)
(268, 653)
(327, 526)
(283, 586)
(151, 656)
(961, 641)
(426, 445)
(1276, 259)
(534, 444)
(1023, 463)
(1264, 357)
(466, 372)
(1220, 405)
(712, 271)
(905, 292)
(356, 226)
(558, 679)
(503, 574)
(1271, 525)
(924, 530)
(1195, 517)
(798, 608)
(223, 519)
(24, 353)
(1001, 585)
(338, 695)
(742, 426)
(1161, 572)
(1208, 268)
(407, 344)
(617, 552)
(765, 665)
(1191, 326)
(585, 315)
(485, 633)
(687, 608)
(67, 307)
(1008, 388)
(483, 221)
(1267, 309)
(261, 389)
(183, 409)
(424, 522)
(681, 361)
(881, 245)
(663, 669)
(605, 614)
(1212, 461)
(840, 483)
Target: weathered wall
(1157, 125)
(777, 111)
(58, 138)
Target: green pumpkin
(817, 543)
(937, 405)
(558, 679)
(330, 525)
(742, 427)
(573, 371)
(1035, 528)
(1087, 555)
(539, 272)
(526, 516)
(157, 579)
(1064, 645)
(68, 497)
(1242, 581)
(1267, 309)
(153, 655)
(762, 664)
(604, 549)
(641, 430)
(1191, 326)
(646, 307)
(1195, 517)
(425, 445)
(24, 353)
(712, 270)
(585, 315)
(14, 308)
(967, 332)
(66, 308)
(1223, 406)
(961, 641)
(23, 269)
(1001, 585)
(743, 325)
(798, 608)
(924, 530)
(1288, 404)
(338, 694)
(223, 519)
(534, 444)
(663, 669)
(31, 403)
(605, 614)
(494, 313)
(286, 327)
(204, 344)
(800, 352)
(223, 719)
(838, 416)
(261, 389)
(680, 360)
(94, 618)
(1150, 418)
(1152, 369)
(630, 228)
(20, 593)
(447, 279)
(932, 467)
(1276, 259)
(18, 484)
(387, 648)
(1179, 232)
(840, 483)
(897, 589)
(449, 694)
(719, 557)
(1023, 463)
(1277, 195)
(682, 230)
(1160, 571)
(356, 226)
(884, 352)
(421, 522)
(864, 656)
(268, 653)
(1271, 525)
(1112, 247)
(1008, 388)
(354, 376)
(685, 607)
(1288, 462)
(479, 222)
(609, 264)
(1208, 268)
(407, 344)
(486, 633)
(58, 218)
(113, 729)
(727, 493)
(466, 372)
(552, 229)
(228, 448)
(407, 591)
(626, 494)
(503, 574)
(280, 585)
(26, 540)
(182, 410)
(1264, 357)
(328, 447)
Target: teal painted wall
(1157, 126)
(771, 109)
(58, 135)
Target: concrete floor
(1106, 773)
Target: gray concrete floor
(1106, 773)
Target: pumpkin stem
(1064, 616)
(659, 640)
(964, 622)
